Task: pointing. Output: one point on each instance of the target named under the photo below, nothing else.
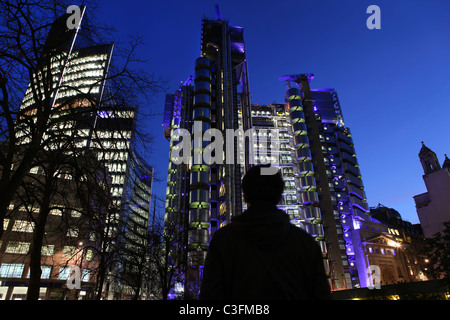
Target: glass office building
(305, 137)
(326, 159)
(84, 107)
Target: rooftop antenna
(218, 15)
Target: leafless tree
(32, 61)
(43, 130)
(79, 197)
(167, 259)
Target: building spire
(446, 163)
(218, 14)
(428, 159)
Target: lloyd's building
(305, 137)
(324, 193)
(203, 197)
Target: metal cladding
(172, 207)
(171, 194)
(351, 202)
(301, 141)
(307, 189)
(215, 97)
(199, 201)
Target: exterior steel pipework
(224, 45)
(307, 189)
(174, 170)
(207, 194)
(227, 106)
(312, 217)
(199, 202)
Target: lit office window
(46, 270)
(18, 247)
(64, 273)
(72, 233)
(5, 224)
(69, 251)
(48, 250)
(23, 226)
(11, 270)
(89, 254)
(85, 274)
(56, 212)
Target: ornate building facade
(433, 206)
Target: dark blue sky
(393, 83)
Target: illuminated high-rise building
(326, 163)
(84, 107)
(324, 193)
(203, 196)
(305, 137)
(277, 141)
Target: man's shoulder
(300, 233)
(222, 232)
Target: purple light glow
(356, 224)
(239, 46)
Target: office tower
(433, 206)
(85, 107)
(330, 190)
(204, 195)
(274, 142)
(68, 244)
(278, 141)
(306, 137)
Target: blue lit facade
(323, 143)
(324, 194)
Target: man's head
(262, 187)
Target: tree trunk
(36, 246)
(35, 259)
(10, 182)
(101, 277)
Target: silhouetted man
(260, 254)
